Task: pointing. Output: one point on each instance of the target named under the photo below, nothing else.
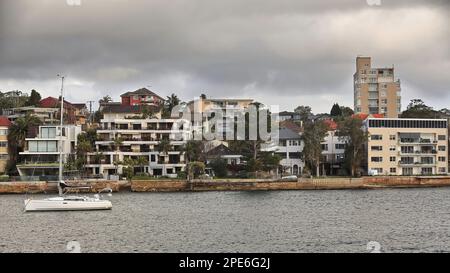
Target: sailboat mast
(60, 133)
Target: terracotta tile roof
(365, 116)
(4, 121)
(289, 124)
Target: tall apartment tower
(376, 91)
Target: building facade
(125, 136)
(376, 91)
(4, 157)
(407, 146)
(289, 148)
(41, 154)
(141, 96)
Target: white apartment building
(41, 154)
(407, 146)
(289, 148)
(139, 138)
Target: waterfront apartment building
(376, 91)
(407, 146)
(41, 154)
(4, 126)
(125, 136)
(200, 107)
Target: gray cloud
(286, 52)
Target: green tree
(305, 112)
(418, 109)
(313, 136)
(270, 162)
(195, 169)
(142, 161)
(352, 133)
(347, 111)
(34, 98)
(336, 110)
(128, 170)
(105, 99)
(147, 112)
(219, 166)
(172, 101)
(16, 137)
(164, 146)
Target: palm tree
(105, 99)
(172, 101)
(141, 162)
(18, 132)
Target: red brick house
(141, 96)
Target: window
(392, 159)
(442, 159)
(376, 159)
(392, 148)
(340, 146)
(4, 157)
(392, 137)
(376, 137)
(442, 137)
(407, 171)
(48, 132)
(442, 148)
(443, 170)
(324, 147)
(393, 170)
(3, 132)
(3, 144)
(152, 158)
(294, 155)
(377, 148)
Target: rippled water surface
(401, 220)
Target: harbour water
(400, 220)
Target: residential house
(141, 96)
(4, 126)
(41, 154)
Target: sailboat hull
(66, 205)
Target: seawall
(233, 184)
(51, 187)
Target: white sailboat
(65, 202)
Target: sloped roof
(291, 125)
(286, 133)
(51, 102)
(4, 121)
(220, 150)
(141, 92)
(365, 116)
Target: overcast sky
(285, 52)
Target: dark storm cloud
(287, 51)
